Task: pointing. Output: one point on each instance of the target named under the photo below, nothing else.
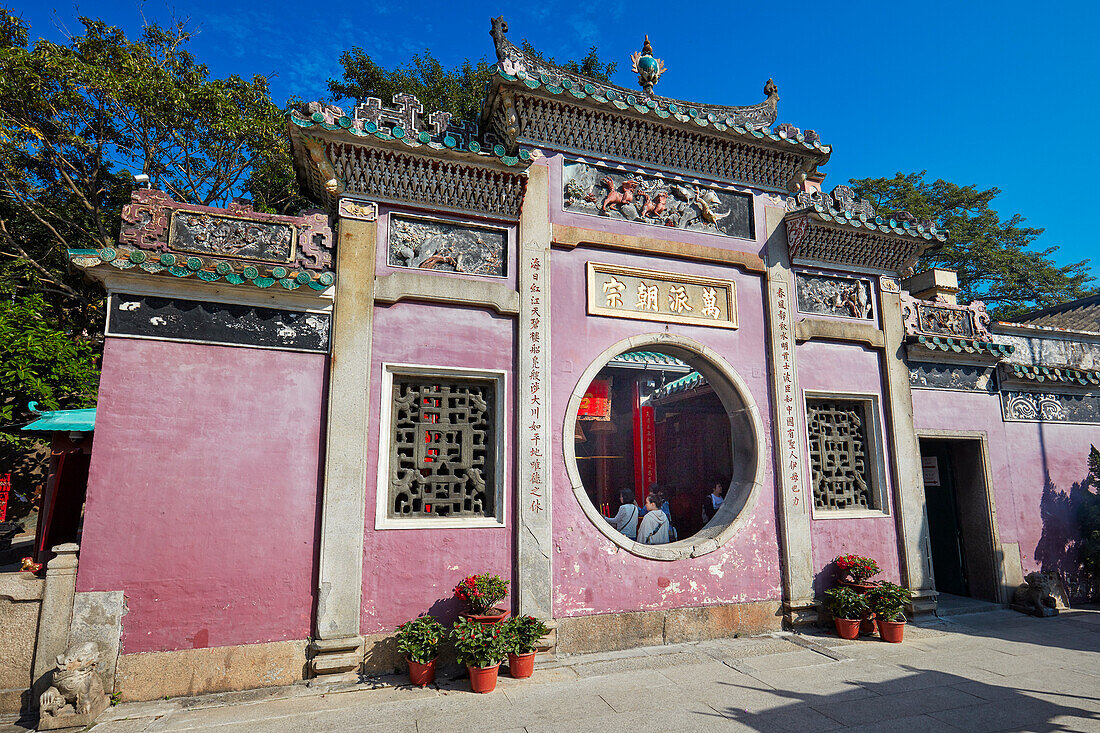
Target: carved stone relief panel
(228, 236)
(443, 446)
(647, 199)
(936, 375)
(834, 296)
(430, 244)
(1051, 407)
(945, 321)
(839, 462)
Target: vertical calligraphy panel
(788, 428)
(533, 400)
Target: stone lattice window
(443, 447)
(839, 461)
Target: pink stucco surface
(837, 368)
(590, 573)
(203, 492)
(1034, 467)
(408, 572)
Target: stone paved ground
(978, 672)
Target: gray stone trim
(952, 377)
(819, 328)
(915, 554)
(97, 616)
(793, 497)
(340, 576)
(448, 290)
(54, 615)
(728, 385)
(534, 532)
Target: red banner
(596, 403)
(5, 490)
(645, 447)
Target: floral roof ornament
(647, 68)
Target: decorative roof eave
(211, 270)
(310, 131)
(687, 383)
(830, 238)
(918, 347)
(1048, 374)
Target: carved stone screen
(443, 447)
(839, 460)
(427, 244)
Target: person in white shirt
(654, 527)
(626, 519)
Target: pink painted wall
(590, 573)
(849, 368)
(203, 492)
(408, 572)
(1034, 467)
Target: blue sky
(1000, 94)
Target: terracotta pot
(867, 625)
(860, 588)
(483, 679)
(847, 628)
(494, 617)
(521, 665)
(421, 675)
(891, 631)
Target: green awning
(61, 421)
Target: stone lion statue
(1041, 595)
(76, 689)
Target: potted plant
(523, 633)
(481, 594)
(419, 641)
(856, 570)
(888, 602)
(848, 607)
(481, 647)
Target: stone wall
(20, 602)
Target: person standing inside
(653, 529)
(626, 519)
(712, 501)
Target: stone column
(788, 428)
(532, 417)
(338, 649)
(55, 615)
(912, 520)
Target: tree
(993, 256)
(458, 90)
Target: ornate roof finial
(498, 31)
(649, 69)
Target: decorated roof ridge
(649, 357)
(1008, 326)
(514, 65)
(401, 125)
(688, 382)
(1049, 373)
(843, 207)
(70, 421)
(961, 345)
(257, 274)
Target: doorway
(960, 517)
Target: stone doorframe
(1000, 562)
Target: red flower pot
(421, 675)
(483, 679)
(521, 665)
(494, 617)
(891, 631)
(847, 628)
(867, 625)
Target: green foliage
(524, 633)
(843, 602)
(481, 592)
(458, 90)
(888, 600)
(420, 638)
(480, 645)
(1088, 516)
(993, 256)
